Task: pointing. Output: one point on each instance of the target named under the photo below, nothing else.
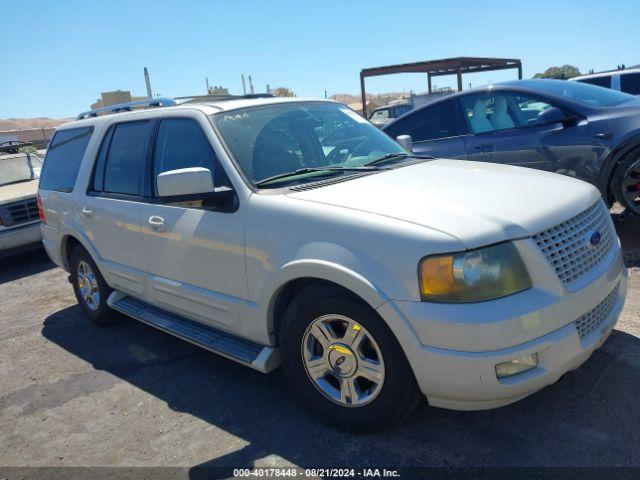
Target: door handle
(157, 223)
(87, 212)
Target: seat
(500, 118)
(479, 121)
(271, 157)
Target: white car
(626, 80)
(371, 275)
(19, 221)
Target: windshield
(20, 167)
(273, 140)
(584, 93)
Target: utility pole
(250, 85)
(206, 79)
(244, 86)
(148, 83)
(268, 89)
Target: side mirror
(552, 115)
(405, 142)
(185, 182)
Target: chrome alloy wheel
(343, 360)
(631, 186)
(88, 286)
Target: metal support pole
(459, 75)
(520, 72)
(364, 97)
(429, 81)
(244, 86)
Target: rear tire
(90, 288)
(626, 183)
(356, 376)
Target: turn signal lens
(473, 276)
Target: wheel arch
(298, 275)
(68, 242)
(612, 161)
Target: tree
(283, 92)
(564, 72)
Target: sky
(59, 55)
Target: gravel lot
(74, 394)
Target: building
(218, 91)
(112, 98)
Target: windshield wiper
(302, 171)
(393, 156)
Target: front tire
(90, 288)
(341, 357)
(626, 183)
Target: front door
(506, 132)
(195, 253)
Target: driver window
(528, 108)
(181, 143)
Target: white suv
(282, 231)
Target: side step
(260, 357)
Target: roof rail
(128, 106)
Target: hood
(14, 192)
(478, 203)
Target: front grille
(20, 212)
(592, 319)
(568, 247)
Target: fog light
(519, 365)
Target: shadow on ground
(590, 417)
(23, 265)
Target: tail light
(43, 219)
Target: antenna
(148, 83)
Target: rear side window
(598, 81)
(430, 123)
(630, 83)
(124, 158)
(63, 159)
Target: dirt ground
(74, 394)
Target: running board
(260, 357)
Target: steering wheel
(335, 155)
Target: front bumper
(20, 238)
(466, 380)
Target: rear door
(436, 130)
(110, 212)
(195, 252)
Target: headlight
(473, 276)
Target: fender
(322, 270)
(630, 142)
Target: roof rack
(128, 106)
(220, 98)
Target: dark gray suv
(576, 129)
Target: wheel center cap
(342, 360)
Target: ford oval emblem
(594, 238)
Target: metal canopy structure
(438, 68)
